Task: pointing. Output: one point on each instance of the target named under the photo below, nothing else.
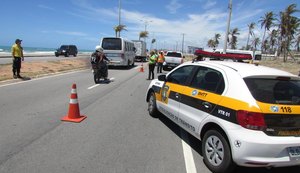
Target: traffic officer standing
(160, 61)
(17, 55)
(151, 63)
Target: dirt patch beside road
(40, 68)
(289, 66)
(292, 66)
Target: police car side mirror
(162, 77)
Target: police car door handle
(207, 105)
(177, 95)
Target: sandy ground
(289, 66)
(31, 70)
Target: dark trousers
(159, 67)
(16, 65)
(151, 71)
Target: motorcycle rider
(99, 59)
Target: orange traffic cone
(74, 113)
(142, 68)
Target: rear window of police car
(275, 91)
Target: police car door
(200, 98)
(172, 90)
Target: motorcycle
(100, 72)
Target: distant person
(151, 63)
(160, 61)
(17, 55)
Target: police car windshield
(275, 91)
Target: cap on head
(18, 41)
(99, 49)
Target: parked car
(244, 114)
(172, 60)
(67, 50)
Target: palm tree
(251, 26)
(267, 22)
(118, 29)
(265, 45)
(297, 45)
(143, 34)
(216, 39)
(233, 41)
(273, 38)
(214, 42)
(288, 27)
(255, 43)
(211, 43)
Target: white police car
(244, 114)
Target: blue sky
(50, 23)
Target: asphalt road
(117, 136)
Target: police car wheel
(216, 152)
(152, 105)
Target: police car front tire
(152, 108)
(216, 152)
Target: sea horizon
(7, 49)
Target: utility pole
(119, 15)
(182, 42)
(146, 23)
(228, 26)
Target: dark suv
(66, 50)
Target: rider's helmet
(99, 49)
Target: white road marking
(188, 155)
(39, 78)
(112, 79)
(93, 86)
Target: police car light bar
(235, 56)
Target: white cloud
(209, 4)
(74, 33)
(173, 6)
(198, 28)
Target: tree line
(281, 34)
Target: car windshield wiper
(284, 102)
(293, 102)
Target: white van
(119, 51)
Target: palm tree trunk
(263, 40)
(248, 41)
(292, 56)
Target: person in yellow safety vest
(160, 61)
(17, 55)
(151, 63)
